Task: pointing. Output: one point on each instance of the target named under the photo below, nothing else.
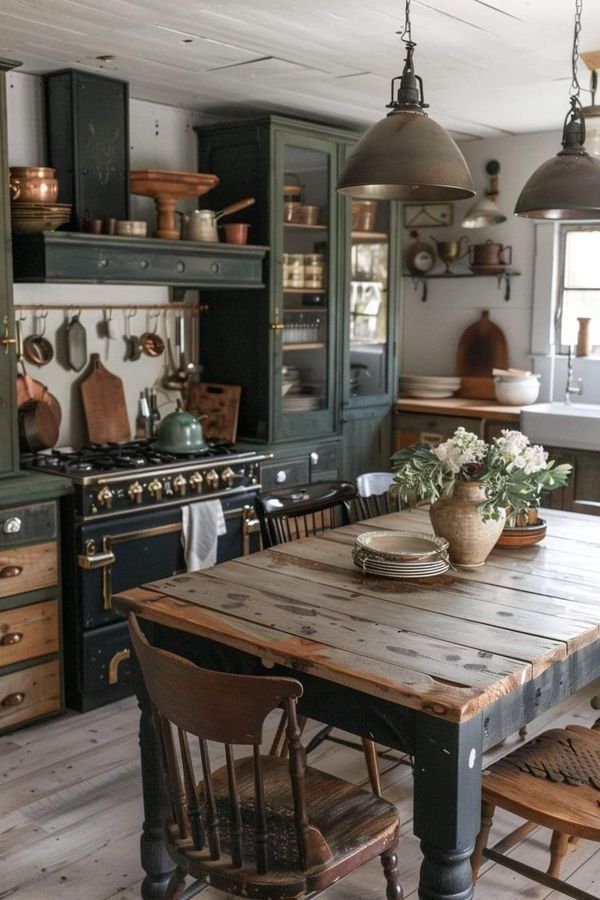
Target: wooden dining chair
(259, 826)
(373, 496)
(552, 781)
(303, 510)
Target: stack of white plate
(429, 387)
(401, 554)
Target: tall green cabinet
(315, 352)
(9, 450)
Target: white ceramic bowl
(517, 392)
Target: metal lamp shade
(485, 211)
(406, 156)
(565, 187)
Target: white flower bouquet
(513, 472)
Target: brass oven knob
(155, 489)
(196, 481)
(105, 497)
(135, 492)
(212, 479)
(180, 485)
(227, 476)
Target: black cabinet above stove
(62, 257)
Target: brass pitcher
(448, 251)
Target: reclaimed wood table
(440, 668)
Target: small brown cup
(93, 226)
(109, 226)
(236, 232)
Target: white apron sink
(575, 425)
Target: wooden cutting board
(220, 403)
(104, 405)
(481, 349)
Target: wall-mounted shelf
(503, 279)
(62, 257)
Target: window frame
(565, 230)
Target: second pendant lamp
(406, 156)
(568, 185)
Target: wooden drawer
(28, 631)
(29, 693)
(284, 472)
(28, 568)
(409, 428)
(24, 524)
(325, 462)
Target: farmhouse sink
(575, 425)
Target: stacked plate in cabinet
(429, 387)
(401, 554)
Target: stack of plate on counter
(401, 554)
(429, 387)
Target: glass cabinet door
(304, 347)
(368, 303)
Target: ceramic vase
(458, 519)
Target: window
(580, 295)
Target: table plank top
(449, 646)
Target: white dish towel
(202, 523)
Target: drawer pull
(13, 700)
(13, 637)
(12, 525)
(281, 476)
(10, 571)
(113, 666)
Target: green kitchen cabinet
(314, 351)
(9, 451)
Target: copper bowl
(30, 184)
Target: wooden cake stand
(166, 188)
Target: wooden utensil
(104, 405)
(220, 403)
(481, 349)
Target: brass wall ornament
(407, 155)
(566, 187)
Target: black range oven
(121, 528)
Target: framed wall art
(428, 215)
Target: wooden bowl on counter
(522, 535)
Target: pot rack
(185, 308)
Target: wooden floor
(70, 813)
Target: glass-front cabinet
(304, 287)
(314, 351)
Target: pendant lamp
(568, 185)
(485, 210)
(406, 156)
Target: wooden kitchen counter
(459, 406)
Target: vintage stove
(120, 528)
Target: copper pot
(31, 184)
(489, 255)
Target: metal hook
(40, 317)
(155, 316)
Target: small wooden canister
(584, 340)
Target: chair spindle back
(228, 709)
(303, 511)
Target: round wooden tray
(522, 536)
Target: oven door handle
(103, 560)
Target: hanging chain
(575, 87)
(406, 34)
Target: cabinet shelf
(503, 278)
(304, 291)
(305, 309)
(380, 236)
(318, 345)
(297, 226)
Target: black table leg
(155, 860)
(447, 801)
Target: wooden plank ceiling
(495, 67)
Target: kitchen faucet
(571, 388)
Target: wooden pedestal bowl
(166, 188)
(522, 535)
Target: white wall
(431, 330)
(161, 137)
